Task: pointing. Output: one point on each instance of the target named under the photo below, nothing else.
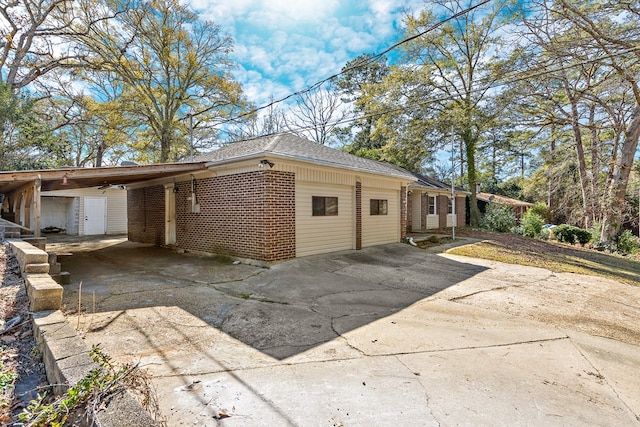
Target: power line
(353, 67)
(517, 76)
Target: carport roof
(52, 179)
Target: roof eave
(405, 177)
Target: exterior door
(95, 215)
(170, 215)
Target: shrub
(564, 234)
(582, 236)
(626, 243)
(500, 218)
(541, 210)
(531, 224)
(569, 234)
(596, 232)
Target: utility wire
(353, 67)
(542, 71)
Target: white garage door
(317, 234)
(380, 227)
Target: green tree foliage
(498, 217)
(441, 84)
(531, 224)
(169, 63)
(26, 142)
(581, 91)
(357, 79)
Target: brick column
(424, 210)
(358, 215)
(409, 213)
(403, 212)
(442, 207)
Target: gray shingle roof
(422, 181)
(295, 147)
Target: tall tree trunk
(615, 197)
(582, 164)
(552, 159)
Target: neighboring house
(519, 207)
(85, 211)
(429, 205)
(273, 198)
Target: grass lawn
(552, 255)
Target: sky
(282, 46)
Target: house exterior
(85, 211)
(429, 205)
(519, 207)
(273, 198)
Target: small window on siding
(450, 206)
(378, 207)
(432, 205)
(325, 206)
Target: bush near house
(500, 218)
(531, 224)
(626, 243)
(569, 234)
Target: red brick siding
(358, 215)
(442, 206)
(250, 215)
(145, 215)
(403, 212)
(409, 214)
(461, 209)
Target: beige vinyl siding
(380, 229)
(416, 211)
(321, 234)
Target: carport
(20, 191)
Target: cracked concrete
(386, 335)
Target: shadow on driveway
(281, 311)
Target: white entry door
(95, 213)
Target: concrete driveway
(386, 335)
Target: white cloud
(283, 46)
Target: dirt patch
(22, 373)
(552, 255)
(602, 299)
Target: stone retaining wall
(44, 292)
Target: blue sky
(283, 46)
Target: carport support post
(453, 189)
(37, 187)
(358, 215)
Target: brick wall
(409, 213)
(461, 208)
(403, 212)
(250, 215)
(358, 215)
(145, 215)
(442, 206)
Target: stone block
(38, 242)
(37, 268)
(65, 278)
(53, 258)
(55, 268)
(44, 293)
(67, 360)
(26, 253)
